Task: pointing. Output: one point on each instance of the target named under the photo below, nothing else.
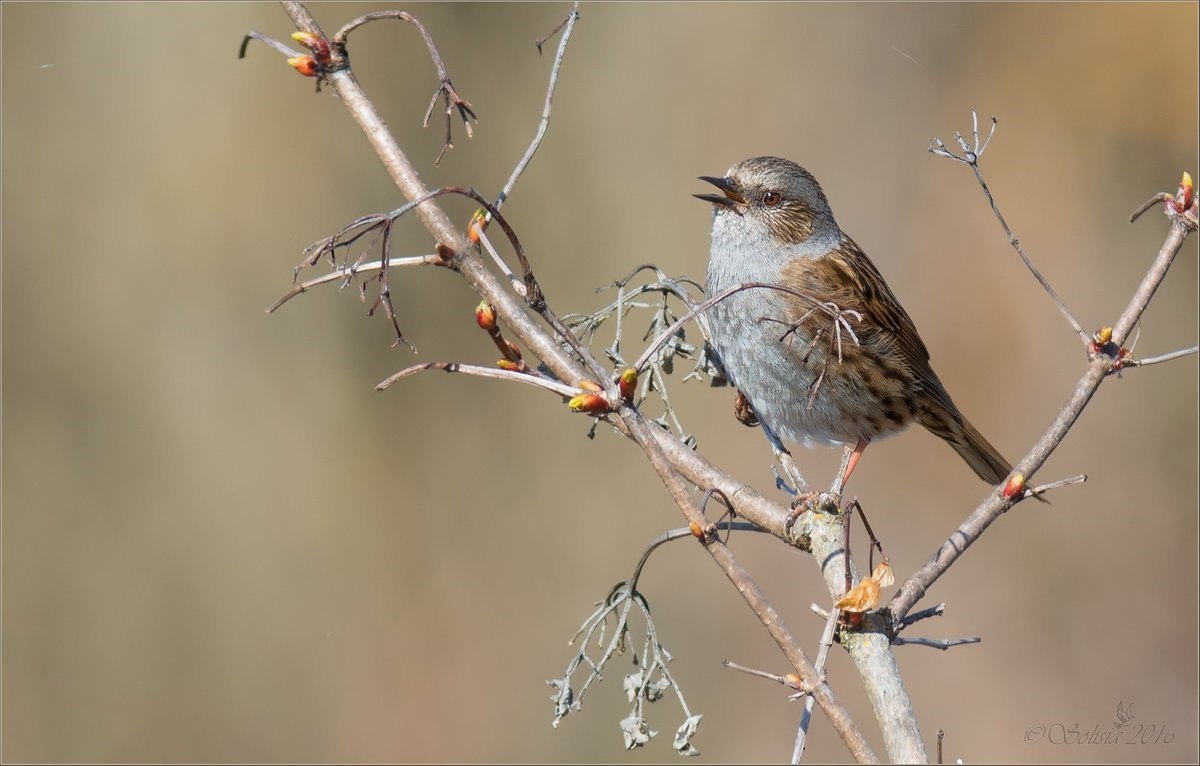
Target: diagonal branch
(561, 389)
(567, 27)
(914, 588)
(474, 270)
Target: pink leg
(851, 461)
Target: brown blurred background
(221, 544)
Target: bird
(822, 351)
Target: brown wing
(847, 277)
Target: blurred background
(221, 544)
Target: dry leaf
(865, 596)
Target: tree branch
(471, 266)
(914, 588)
(679, 466)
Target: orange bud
(485, 316)
(627, 382)
(1103, 336)
(793, 680)
(1015, 486)
(305, 65)
(504, 364)
(314, 43)
(593, 404)
(1187, 192)
(588, 385)
(478, 224)
(696, 530)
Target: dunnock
(831, 357)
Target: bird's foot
(802, 502)
(744, 411)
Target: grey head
(771, 210)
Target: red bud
(1015, 486)
(315, 43)
(1187, 193)
(593, 404)
(305, 65)
(485, 316)
(627, 383)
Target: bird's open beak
(731, 198)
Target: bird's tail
(984, 459)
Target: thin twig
(272, 42)
(567, 26)
(809, 702)
(782, 680)
(445, 88)
(348, 272)
(1161, 359)
(543, 124)
(798, 485)
(484, 372)
(970, 156)
(677, 534)
(1042, 489)
(935, 643)
(1141, 210)
(924, 614)
(512, 278)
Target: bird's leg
(849, 460)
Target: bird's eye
(772, 198)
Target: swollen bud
(627, 383)
(315, 43)
(1015, 486)
(593, 404)
(305, 65)
(1187, 193)
(505, 364)
(478, 223)
(485, 316)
